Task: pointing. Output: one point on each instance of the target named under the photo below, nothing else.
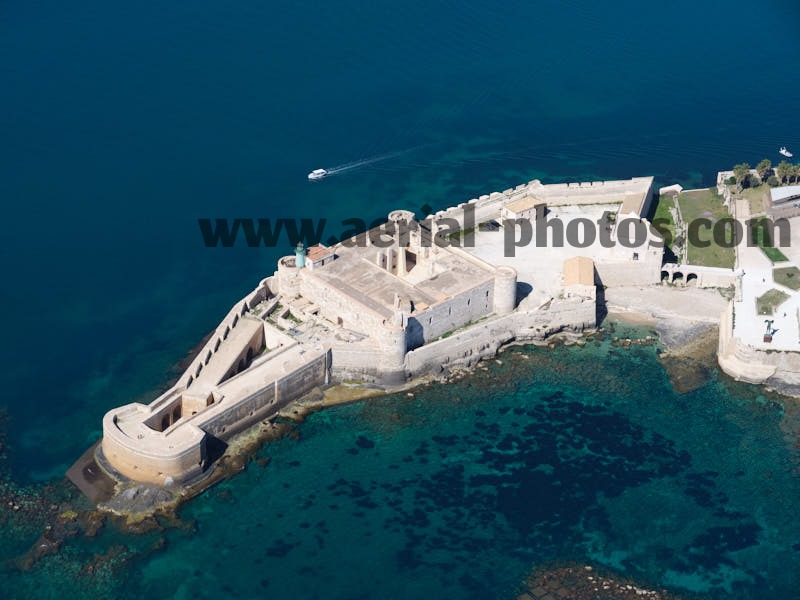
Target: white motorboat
(785, 152)
(317, 174)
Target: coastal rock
(584, 582)
(690, 364)
(47, 544)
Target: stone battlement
(377, 312)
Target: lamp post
(768, 332)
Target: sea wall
(754, 365)
(270, 399)
(151, 463)
(351, 360)
(179, 452)
(465, 348)
(357, 361)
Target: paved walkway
(757, 280)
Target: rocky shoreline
(135, 502)
(688, 355)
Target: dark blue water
(122, 124)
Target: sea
(123, 124)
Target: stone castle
(383, 313)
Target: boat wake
(357, 164)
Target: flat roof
(319, 251)
(579, 270)
(525, 203)
(784, 194)
(355, 273)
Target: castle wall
(505, 290)
(623, 273)
(266, 289)
(179, 452)
(465, 348)
(338, 307)
(451, 314)
(355, 360)
(153, 464)
(268, 400)
(720, 278)
(398, 346)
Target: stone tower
(505, 290)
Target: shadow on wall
(215, 448)
(523, 291)
(415, 335)
(600, 309)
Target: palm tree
(740, 172)
(784, 171)
(795, 173)
(763, 168)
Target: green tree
(795, 173)
(763, 168)
(740, 171)
(784, 171)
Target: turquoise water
(123, 124)
(550, 454)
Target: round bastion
(505, 290)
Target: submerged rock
(690, 364)
(578, 582)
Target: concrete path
(757, 280)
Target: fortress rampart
(367, 313)
(754, 365)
